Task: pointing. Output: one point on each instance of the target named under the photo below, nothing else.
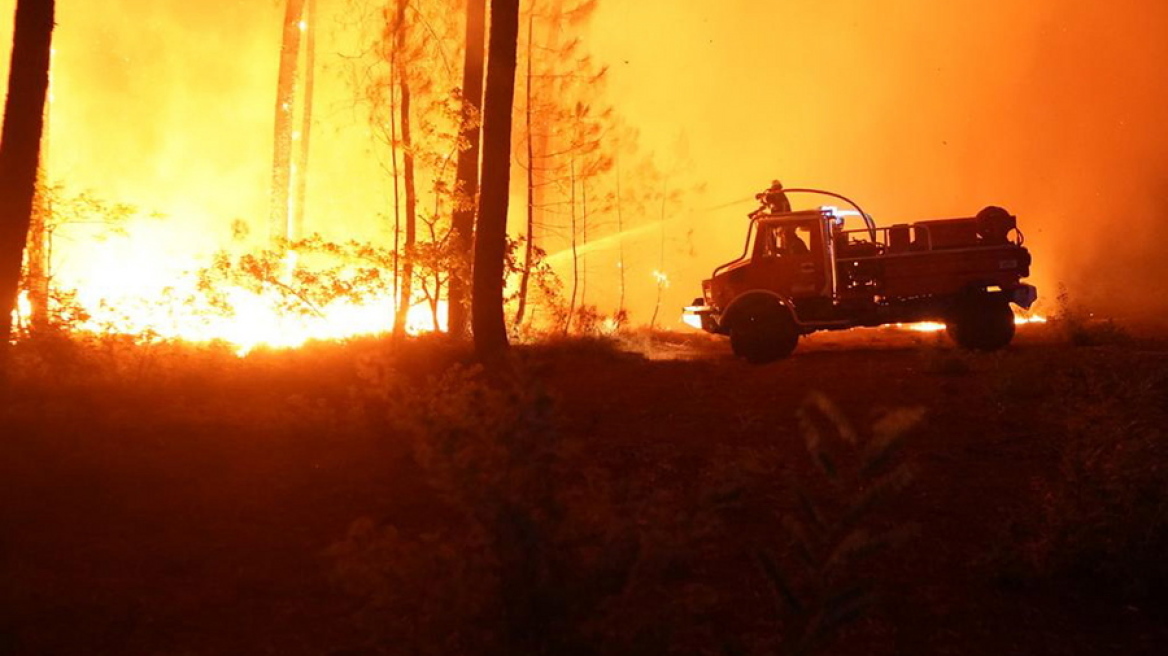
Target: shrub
(530, 545)
(433, 592)
(818, 577)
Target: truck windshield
(786, 240)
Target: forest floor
(163, 501)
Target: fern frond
(783, 590)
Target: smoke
(920, 109)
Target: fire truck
(834, 269)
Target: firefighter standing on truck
(774, 199)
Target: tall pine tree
(20, 143)
(490, 329)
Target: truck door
(789, 259)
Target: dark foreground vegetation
(877, 493)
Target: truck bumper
(1024, 296)
(702, 317)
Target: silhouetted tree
(468, 164)
(490, 329)
(20, 142)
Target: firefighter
(792, 244)
(774, 199)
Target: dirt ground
(140, 522)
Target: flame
(23, 306)
(923, 326)
(254, 321)
(146, 296)
(935, 326)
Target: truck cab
(791, 256)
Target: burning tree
(57, 211)
(407, 83)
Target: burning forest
(156, 119)
(537, 327)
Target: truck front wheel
(763, 332)
(981, 323)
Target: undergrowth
(1099, 519)
(525, 542)
(542, 550)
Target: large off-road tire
(763, 332)
(981, 323)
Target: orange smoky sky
(915, 108)
(919, 109)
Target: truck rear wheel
(763, 332)
(981, 323)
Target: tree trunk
(584, 238)
(406, 281)
(525, 276)
(468, 167)
(300, 182)
(20, 141)
(281, 216)
(575, 255)
(490, 329)
(394, 145)
(620, 230)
